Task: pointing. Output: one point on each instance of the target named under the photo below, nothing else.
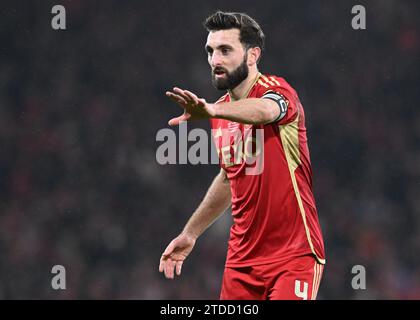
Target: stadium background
(79, 113)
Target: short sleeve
(286, 99)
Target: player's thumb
(174, 122)
(202, 101)
(177, 120)
(169, 249)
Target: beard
(231, 79)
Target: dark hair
(251, 34)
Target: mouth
(218, 73)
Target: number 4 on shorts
(301, 293)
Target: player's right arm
(215, 202)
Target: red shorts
(296, 279)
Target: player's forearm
(215, 202)
(249, 111)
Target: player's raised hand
(174, 255)
(194, 108)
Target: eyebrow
(222, 46)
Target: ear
(253, 55)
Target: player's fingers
(166, 269)
(192, 96)
(176, 98)
(178, 267)
(168, 250)
(169, 269)
(183, 94)
(162, 263)
(179, 91)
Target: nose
(216, 59)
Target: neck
(242, 90)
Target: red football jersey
(270, 175)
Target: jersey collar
(249, 90)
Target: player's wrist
(193, 236)
(212, 110)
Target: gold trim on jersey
(313, 281)
(316, 280)
(320, 270)
(263, 84)
(268, 81)
(221, 98)
(289, 135)
(274, 80)
(271, 83)
(263, 81)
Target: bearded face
(223, 79)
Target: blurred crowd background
(80, 109)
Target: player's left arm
(248, 111)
